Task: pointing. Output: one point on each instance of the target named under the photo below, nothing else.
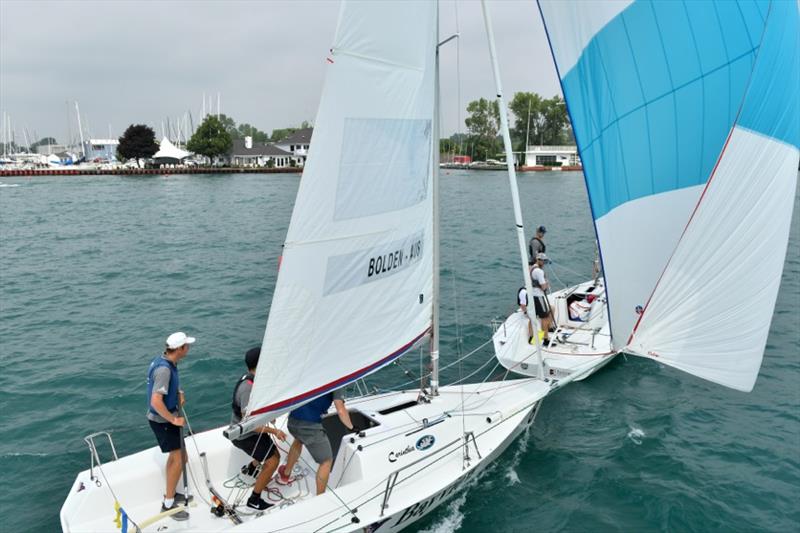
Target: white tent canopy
(167, 150)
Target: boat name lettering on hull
(419, 508)
(393, 456)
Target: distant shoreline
(147, 171)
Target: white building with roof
(552, 156)
(246, 153)
(297, 144)
(101, 149)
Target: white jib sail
(354, 289)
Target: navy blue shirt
(314, 410)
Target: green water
(96, 271)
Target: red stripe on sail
(339, 382)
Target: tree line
(537, 120)
(213, 138)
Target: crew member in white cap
(540, 303)
(165, 397)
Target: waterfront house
(552, 156)
(105, 149)
(297, 144)
(246, 153)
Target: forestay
(681, 191)
(354, 288)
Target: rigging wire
(459, 331)
(564, 267)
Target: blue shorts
(168, 436)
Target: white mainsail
(354, 289)
(686, 117)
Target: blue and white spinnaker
(686, 116)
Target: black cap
(251, 357)
(541, 229)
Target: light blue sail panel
(656, 91)
(773, 109)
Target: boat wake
(511, 472)
(23, 454)
(8, 184)
(636, 435)
(453, 517)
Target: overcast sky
(145, 61)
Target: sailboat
(687, 119)
(682, 220)
(357, 289)
(580, 341)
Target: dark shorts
(257, 448)
(541, 305)
(168, 436)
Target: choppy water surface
(96, 271)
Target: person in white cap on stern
(540, 288)
(165, 398)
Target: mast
(435, 200)
(512, 180)
(528, 131)
(80, 130)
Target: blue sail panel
(773, 109)
(689, 60)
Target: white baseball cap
(178, 339)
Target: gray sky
(144, 61)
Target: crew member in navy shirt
(305, 425)
(164, 398)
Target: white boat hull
(582, 347)
(383, 465)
